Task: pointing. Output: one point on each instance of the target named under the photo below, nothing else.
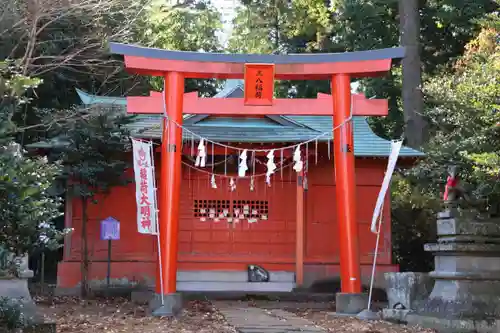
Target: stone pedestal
(24, 272)
(350, 304)
(467, 275)
(16, 291)
(172, 305)
(404, 292)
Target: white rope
(158, 218)
(229, 176)
(375, 259)
(329, 133)
(208, 165)
(258, 150)
(225, 174)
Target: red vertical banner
(259, 84)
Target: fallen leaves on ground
(120, 315)
(350, 325)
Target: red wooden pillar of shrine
(300, 231)
(345, 184)
(170, 188)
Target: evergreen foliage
(462, 105)
(95, 156)
(190, 27)
(27, 208)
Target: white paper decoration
(243, 167)
(271, 166)
(232, 184)
(297, 159)
(201, 158)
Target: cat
(257, 274)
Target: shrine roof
(256, 130)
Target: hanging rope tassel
(232, 185)
(316, 153)
(201, 158)
(271, 166)
(212, 182)
(297, 158)
(243, 167)
(329, 148)
(281, 164)
(252, 185)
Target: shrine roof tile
(286, 129)
(366, 143)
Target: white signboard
(145, 186)
(395, 148)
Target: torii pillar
(259, 72)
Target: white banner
(145, 192)
(391, 164)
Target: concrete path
(256, 320)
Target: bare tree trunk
(277, 28)
(85, 251)
(416, 125)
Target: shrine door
(224, 229)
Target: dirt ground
(120, 315)
(349, 325)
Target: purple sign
(110, 229)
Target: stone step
(195, 286)
(230, 276)
(255, 320)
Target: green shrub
(11, 315)
(413, 216)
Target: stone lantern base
(466, 293)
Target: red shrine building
(245, 221)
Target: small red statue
(453, 190)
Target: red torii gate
(176, 66)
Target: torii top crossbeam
(151, 61)
(259, 72)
